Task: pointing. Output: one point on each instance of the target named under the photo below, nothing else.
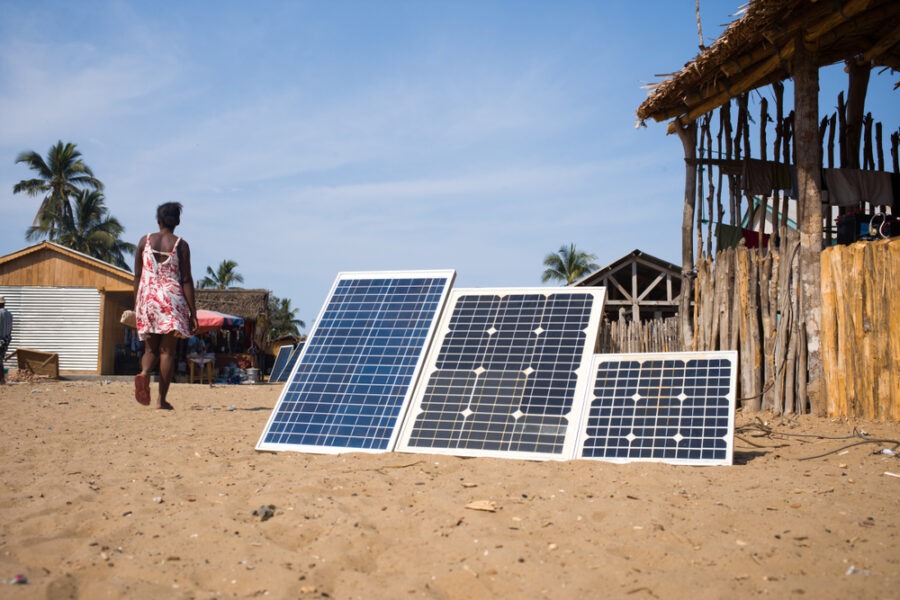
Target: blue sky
(309, 138)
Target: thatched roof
(247, 304)
(756, 50)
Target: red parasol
(210, 320)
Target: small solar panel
(675, 407)
(352, 381)
(288, 364)
(504, 374)
(281, 360)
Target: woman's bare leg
(151, 353)
(167, 360)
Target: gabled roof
(757, 49)
(8, 262)
(642, 258)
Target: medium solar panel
(351, 384)
(281, 361)
(505, 372)
(674, 407)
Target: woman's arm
(187, 281)
(138, 266)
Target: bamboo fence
(861, 329)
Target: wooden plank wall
(53, 269)
(861, 329)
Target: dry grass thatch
(757, 49)
(250, 305)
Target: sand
(104, 498)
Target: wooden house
(67, 303)
(798, 308)
(641, 285)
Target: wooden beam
(819, 28)
(650, 287)
(882, 46)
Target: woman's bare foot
(163, 405)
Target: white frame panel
(591, 335)
(598, 359)
(449, 274)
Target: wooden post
(688, 136)
(858, 83)
(808, 153)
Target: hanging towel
(875, 187)
(843, 186)
(758, 177)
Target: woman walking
(163, 301)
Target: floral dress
(161, 305)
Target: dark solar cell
(503, 376)
(676, 408)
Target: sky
(309, 138)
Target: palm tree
(282, 319)
(568, 264)
(89, 229)
(62, 175)
(222, 278)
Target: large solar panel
(504, 374)
(675, 407)
(352, 381)
(281, 360)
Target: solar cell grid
(676, 408)
(350, 386)
(281, 361)
(503, 375)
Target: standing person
(163, 301)
(5, 334)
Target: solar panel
(505, 371)
(288, 366)
(351, 384)
(281, 360)
(675, 407)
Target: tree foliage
(568, 264)
(87, 228)
(59, 177)
(223, 278)
(283, 319)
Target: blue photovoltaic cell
(505, 373)
(350, 386)
(281, 360)
(675, 407)
(288, 364)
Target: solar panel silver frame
(591, 331)
(600, 359)
(449, 274)
(291, 364)
(281, 361)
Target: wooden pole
(808, 152)
(688, 136)
(858, 83)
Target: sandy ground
(104, 498)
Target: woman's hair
(169, 214)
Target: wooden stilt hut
(802, 319)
